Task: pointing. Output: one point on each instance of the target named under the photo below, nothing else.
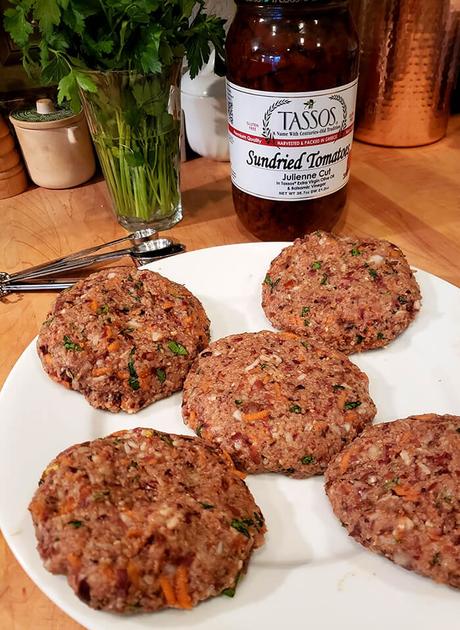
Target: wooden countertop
(409, 196)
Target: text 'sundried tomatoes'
(291, 91)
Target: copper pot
(409, 58)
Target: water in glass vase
(134, 121)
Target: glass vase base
(132, 224)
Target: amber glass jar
(292, 68)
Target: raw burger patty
(353, 294)
(274, 404)
(142, 520)
(123, 338)
(396, 489)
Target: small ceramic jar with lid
(55, 144)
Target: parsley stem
(137, 141)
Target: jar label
(290, 146)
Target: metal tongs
(145, 247)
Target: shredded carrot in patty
(74, 561)
(93, 305)
(181, 583)
(132, 570)
(407, 492)
(100, 371)
(115, 345)
(256, 415)
(192, 416)
(168, 590)
(342, 399)
(289, 335)
(351, 415)
(345, 462)
(277, 388)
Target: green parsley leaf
(164, 437)
(230, 592)
(161, 375)
(70, 345)
(359, 339)
(305, 344)
(352, 404)
(133, 380)
(355, 252)
(337, 387)
(47, 14)
(295, 409)
(177, 348)
(271, 283)
(380, 335)
(373, 274)
(402, 299)
(391, 483)
(316, 265)
(241, 525)
(305, 310)
(103, 310)
(238, 402)
(308, 459)
(324, 279)
(75, 524)
(206, 506)
(17, 25)
(259, 520)
(198, 430)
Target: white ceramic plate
(309, 573)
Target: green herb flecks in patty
(271, 283)
(177, 348)
(75, 524)
(161, 375)
(352, 404)
(71, 345)
(241, 525)
(133, 380)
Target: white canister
(56, 145)
(205, 112)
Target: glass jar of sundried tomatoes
(292, 68)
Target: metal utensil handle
(59, 264)
(35, 286)
(70, 265)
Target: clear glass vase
(134, 121)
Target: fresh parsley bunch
(145, 36)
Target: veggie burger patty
(142, 520)
(123, 338)
(353, 294)
(276, 403)
(396, 489)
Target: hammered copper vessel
(409, 60)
